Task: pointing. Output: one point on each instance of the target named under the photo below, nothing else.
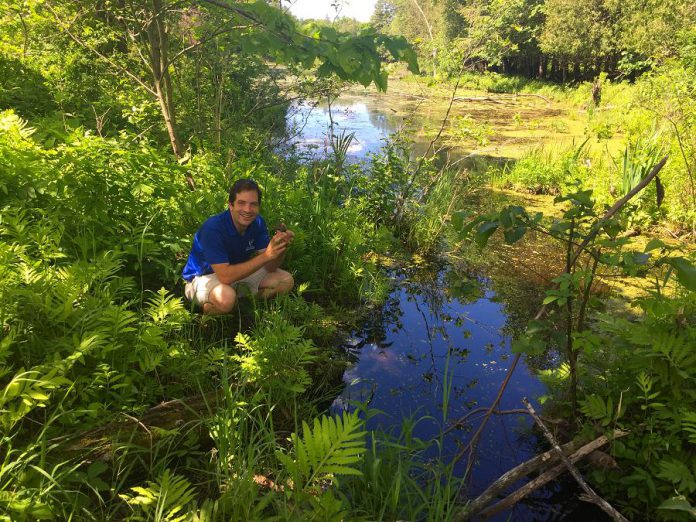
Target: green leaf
(678, 504)
(381, 80)
(458, 218)
(686, 271)
(330, 447)
(653, 244)
(484, 231)
(528, 345)
(515, 234)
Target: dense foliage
(123, 124)
(555, 39)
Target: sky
(359, 9)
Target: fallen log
(477, 98)
(478, 506)
(146, 428)
(534, 95)
(517, 473)
(590, 493)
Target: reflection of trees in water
(373, 329)
(384, 120)
(434, 293)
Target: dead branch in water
(520, 94)
(592, 496)
(517, 411)
(477, 98)
(478, 506)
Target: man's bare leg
(276, 282)
(221, 300)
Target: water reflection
(444, 321)
(308, 126)
(307, 130)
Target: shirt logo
(250, 246)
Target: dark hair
(242, 185)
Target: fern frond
(679, 474)
(689, 425)
(163, 305)
(330, 447)
(163, 500)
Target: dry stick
(471, 446)
(477, 98)
(515, 474)
(593, 497)
(520, 94)
(412, 180)
(475, 508)
(517, 411)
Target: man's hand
(275, 252)
(283, 231)
(277, 246)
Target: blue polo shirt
(218, 241)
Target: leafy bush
(650, 369)
(91, 230)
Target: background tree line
(554, 39)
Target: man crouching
(232, 248)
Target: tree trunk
(219, 94)
(158, 41)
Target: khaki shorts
(198, 290)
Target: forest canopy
(557, 39)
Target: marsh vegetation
(430, 254)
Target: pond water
(308, 127)
(439, 329)
(497, 128)
(424, 339)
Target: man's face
(245, 208)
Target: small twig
(471, 446)
(476, 98)
(593, 497)
(518, 411)
(533, 95)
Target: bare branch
(203, 41)
(115, 65)
(477, 507)
(616, 207)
